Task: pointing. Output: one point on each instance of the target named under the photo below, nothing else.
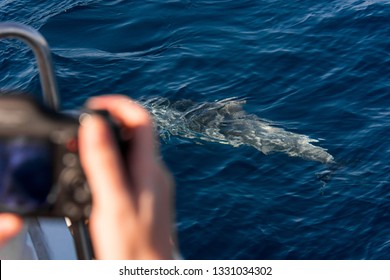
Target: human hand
(132, 216)
(132, 212)
(10, 226)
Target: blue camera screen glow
(26, 174)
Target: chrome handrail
(43, 55)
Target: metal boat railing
(43, 55)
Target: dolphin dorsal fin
(232, 104)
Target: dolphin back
(226, 122)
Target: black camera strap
(82, 240)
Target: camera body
(40, 170)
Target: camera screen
(26, 175)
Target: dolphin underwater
(226, 122)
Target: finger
(138, 121)
(10, 226)
(149, 195)
(102, 163)
(131, 113)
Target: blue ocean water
(318, 68)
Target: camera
(40, 170)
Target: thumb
(102, 163)
(10, 226)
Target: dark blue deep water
(318, 68)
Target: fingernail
(85, 119)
